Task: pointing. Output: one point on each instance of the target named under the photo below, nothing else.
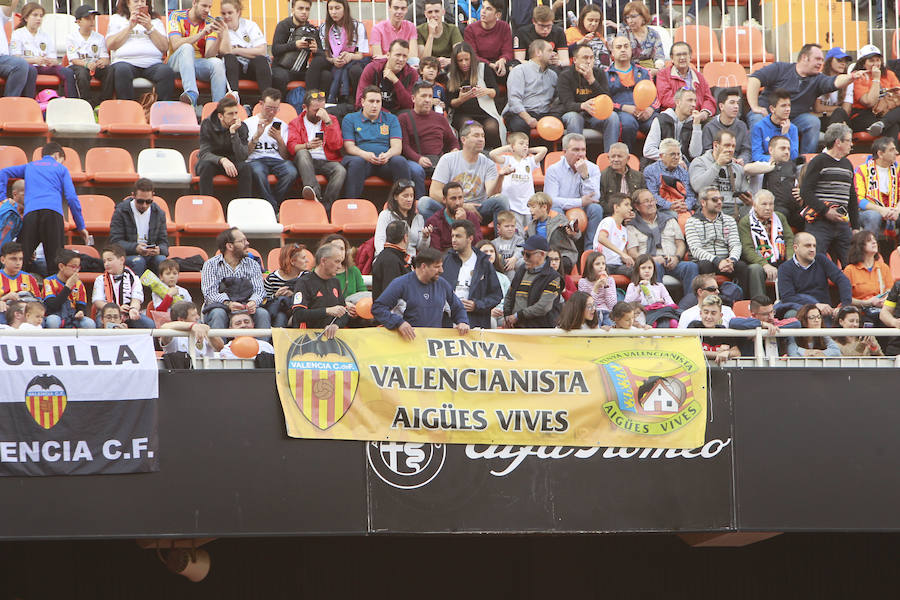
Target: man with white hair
(766, 241)
(669, 181)
(574, 182)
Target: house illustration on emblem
(661, 395)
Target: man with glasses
(702, 286)
(713, 240)
(138, 225)
(832, 207)
(669, 181)
(543, 28)
(315, 141)
(682, 76)
(267, 150)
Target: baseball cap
(867, 51)
(536, 242)
(84, 11)
(836, 52)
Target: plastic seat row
(743, 45)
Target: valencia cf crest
(246, 38)
(45, 399)
(94, 48)
(323, 376)
(43, 46)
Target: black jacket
(284, 31)
(387, 266)
(484, 287)
(547, 279)
(573, 89)
(217, 142)
(611, 183)
(123, 230)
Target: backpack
(10, 222)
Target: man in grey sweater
(531, 87)
(719, 169)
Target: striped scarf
(769, 244)
(873, 189)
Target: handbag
(886, 103)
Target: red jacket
(334, 139)
(668, 81)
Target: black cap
(85, 11)
(536, 242)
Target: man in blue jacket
(425, 294)
(472, 276)
(777, 123)
(48, 185)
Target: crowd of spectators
(733, 205)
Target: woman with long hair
(578, 312)
(870, 277)
(563, 267)
(835, 106)
(849, 317)
(871, 90)
(136, 39)
(589, 32)
(488, 248)
(346, 48)
(38, 48)
(242, 47)
(810, 317)
(471, 89)
(401, 206)
(279, 284)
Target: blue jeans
(628, 127)
(191, 69)
(218, 318)
(417, 174)
(488, 210)
(870, 220)
(575, 122)
(594, 215)
(19, 75)
(684, 271)
(55, 322)
(283, 170)
(359, 168)
(139, 264)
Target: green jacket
(748, 250)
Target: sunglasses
(139, 201)
(715, 290)
(316, 95)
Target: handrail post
(759, 349)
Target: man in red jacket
(683, 75)
(393, 76)
(314, 142)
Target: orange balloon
(245, 347)
(602, 107)
(644, 94)
(364, 307)
(550, 128)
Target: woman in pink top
(346, 48)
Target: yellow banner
(492, 388)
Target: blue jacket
(764, 131)
(810, 286)
(484, 287)
(424, 303)
(47, 184)
(625, 95)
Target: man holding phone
(315, 141)
(194, 49)
(268, 151)
(138, 225)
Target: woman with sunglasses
(849, 317)
(139, 226)
(401, 206)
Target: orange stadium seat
(857, 159)
(305, 217)
(173, 118)
(73, 163)
(187, 252)
(551, 159)
(725, 74)
(97, 211)
(210, 107)
(737, 43)
(171, 228)
(110, 166)
(11, 156)
(355, 216)
(21, 116)
(199, 215)
(123, 117)
(702, 40)
(895, 264)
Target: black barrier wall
(786, 450)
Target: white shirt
(92, 48)
(266, 146)
(23, 43)
(180, 344)
(138, 49)
(137, 289)
(618, 235)
(185, 296)
(693, 314)
(264, 348)
(311, 130)
(464, 280)
(884, 179)
(142, 222)
(518, 186)
(247, 35)
(4, 43)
